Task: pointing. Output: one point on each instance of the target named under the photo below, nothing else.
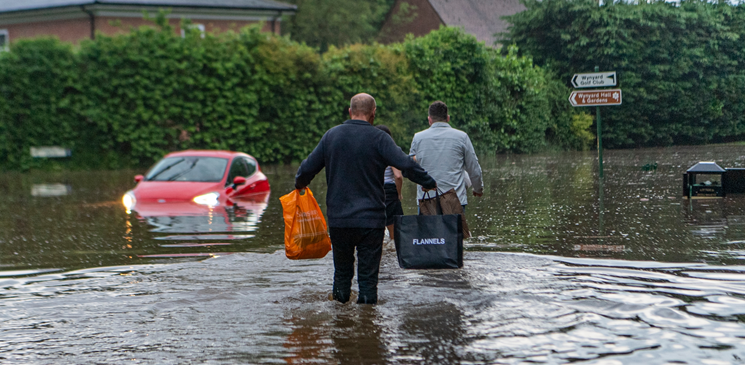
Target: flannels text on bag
(429, 241)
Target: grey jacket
(447, 154)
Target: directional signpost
(596, 98)
(597, 79)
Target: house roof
(7, 6)
(481, 18)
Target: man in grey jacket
(447, 155)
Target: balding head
(362, 107)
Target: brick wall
(106, 24)
(72, 30)
(426, 21)
(75, 30)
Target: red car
(190, 181)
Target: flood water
(561, 269)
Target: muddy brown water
(555, 273)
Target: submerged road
(262, 308)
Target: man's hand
(478, 194)
(426, 190)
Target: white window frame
(193, 26)
(7, 40)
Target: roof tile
(481, 18)
(14, 5)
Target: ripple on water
(263, 308)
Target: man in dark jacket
(355, 155)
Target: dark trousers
(369, 245)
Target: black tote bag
(448, 203)
(429, 241)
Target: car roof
(206, 153)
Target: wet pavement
(556, 273)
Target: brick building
(75, 20)
(482, 18)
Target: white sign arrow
(596, 79)
(595, 97)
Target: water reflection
(207, 223)
(241, 216)
(83, 281)
(262, 308)
(556, 205)
(76, 220)
(547, 204)
(721, 221)
(336, 337)
(46, 190)
(432, 333)
(308, 339)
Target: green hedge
(39, 100)
(127, 100)
(679, 65)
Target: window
(188, 168)
(4, 40)
(199, 27)
(238, 168)
(708, 179)
(251, 166)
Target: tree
(678, 65)
(325, 23)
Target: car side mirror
(238, 180)
(139, 178)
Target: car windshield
(188, 168)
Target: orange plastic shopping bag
(306, 235)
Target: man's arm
(310, 166)
(411, 170)
(473, 168)
(399, 179)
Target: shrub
(127, 100)
(676, 63)
(38, 98)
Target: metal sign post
(596, 98)
(600, 133)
